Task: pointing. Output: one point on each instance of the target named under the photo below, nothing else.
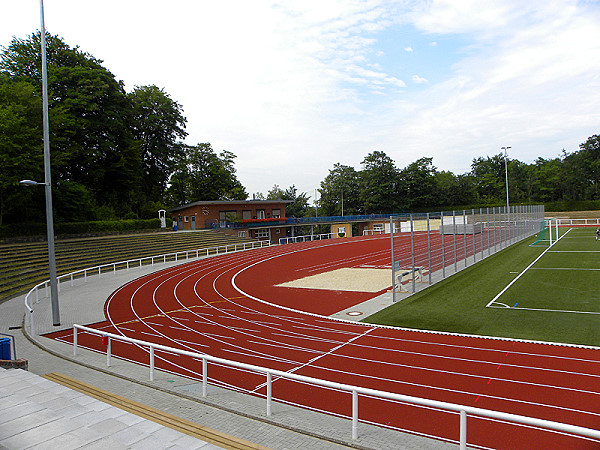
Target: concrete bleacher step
(57, 411)
(24, 265)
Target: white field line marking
(523, 272)
(550, 310)
(561, 268)
(574, 251)
(316, 358)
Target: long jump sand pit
(346, 279)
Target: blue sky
(293, 87)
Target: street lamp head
(30, 183)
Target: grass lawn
(458, 304)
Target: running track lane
(197, 307)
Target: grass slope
(457, 304)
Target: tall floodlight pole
(506, 176)
(47, 178)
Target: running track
(229, 306)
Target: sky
(294, 87)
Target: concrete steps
(57, 411)
(24, 265)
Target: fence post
(463, 430)
(473, 235)
(465, 235)
(428, 248)
(354, 415)
(204, 376)
(443, 233)
(269, 393)
(74, 341)
(454, 234)
(108, 352)
(412, 252)
(151, 363)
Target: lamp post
(47, 178)
(506, 176)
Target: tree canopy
(112, 153)
(117, 155)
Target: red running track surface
(229, 306)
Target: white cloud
(408, 49)
(292, 88)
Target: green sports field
(528, 292)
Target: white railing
(354, 390)
(575, 222)
(307, 238)
(126, 265)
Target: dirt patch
(346, 279)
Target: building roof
(230, 203)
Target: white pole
(393, 262)
(463, 430)
(269, 393)
(47, 177)
(354, 415)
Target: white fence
(355, 391)
(307, 238)
(576, 222)
(126, 265)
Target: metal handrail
(138, 262)
(463, 410)
(306, 238)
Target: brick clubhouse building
(259, 219)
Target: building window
(260, 213)
(276, 213)
(277, 231)
(378, 227)
(242, 234)
(246, 215)
(262, 233)
(186, 219)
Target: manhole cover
(354, 313)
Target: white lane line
(523, 273)
(316, 358)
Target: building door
(180, 223)
(193, 222)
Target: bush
(572, 205)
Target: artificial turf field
(554, 298)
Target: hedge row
(100, 226)
(583, 205)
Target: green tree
(91, 141)
(379, 183)
(200, 174)
(418, 183)
(21, 152)
(298, 206)
(489, 176)
(340, 186)
(158, 124)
